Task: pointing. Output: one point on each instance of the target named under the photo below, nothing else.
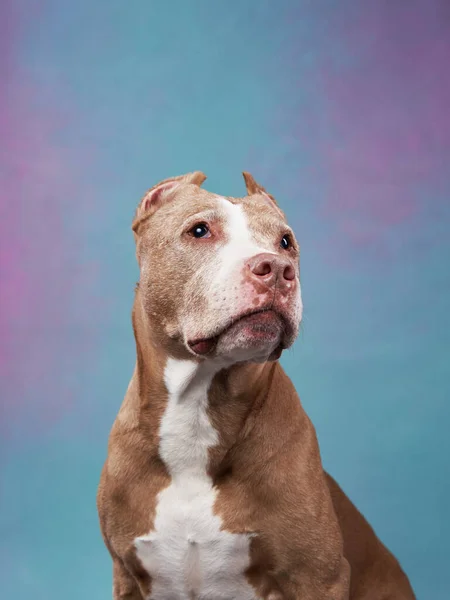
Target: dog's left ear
(255, 188)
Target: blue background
(341, 111)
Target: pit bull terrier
(213, 488)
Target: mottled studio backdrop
(342, 110)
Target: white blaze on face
(240, 244)
(188, 554)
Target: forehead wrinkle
(212, 214)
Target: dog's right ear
(159, 193)
(255, 188)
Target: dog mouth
(261, 321)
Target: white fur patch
(240, 245)
(188, 555)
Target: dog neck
(231, 396)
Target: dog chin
(241, 348)
(254, 338)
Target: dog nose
(272, 270)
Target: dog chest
(188, 554)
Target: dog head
(219, 276)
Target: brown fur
(266, 468)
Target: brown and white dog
(213, 488)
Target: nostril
(262, 268)
(289, 273)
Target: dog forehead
(240, 217)
(265, 219)
(189, 200)
(257, 214)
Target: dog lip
(204, 346)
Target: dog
(213, 487)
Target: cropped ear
(159, 193)
(254, 188)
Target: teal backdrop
(341, 110)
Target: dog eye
(201, 230)
(286, 242)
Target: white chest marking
(187, 555)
